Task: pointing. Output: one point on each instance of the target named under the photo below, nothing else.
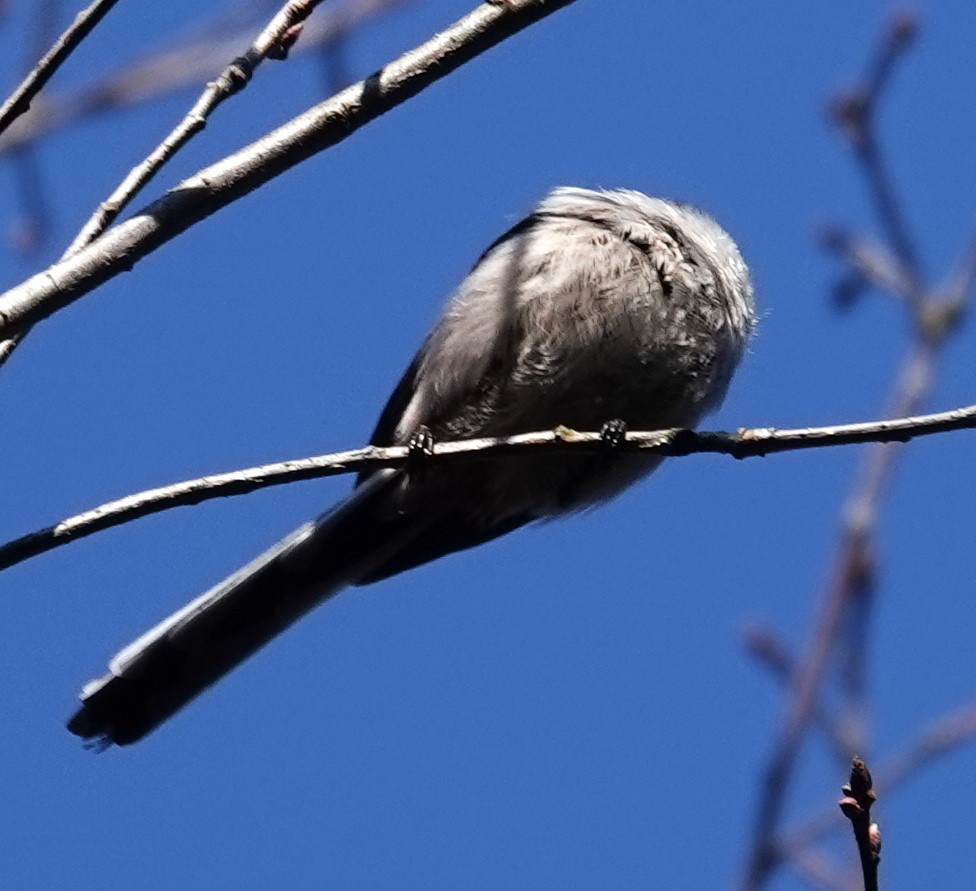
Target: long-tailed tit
(597, 307)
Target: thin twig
(852, 663)
(859, 797)
(8, 346)
(20, 100)
(34, 224)
(320, 128)
(852, 575)
(31, 229)
(941, 738)
(155, 75)
(872, 262)
(271, 41)
(746, 443)
(854, 114)
(232, 79)
(852, 570)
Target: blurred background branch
(186, 63)
(275, 40)
(317, 129)
(841, 636)
(181, 64)
(38, 75)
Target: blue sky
(570, 707)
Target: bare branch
(8, 346)
(854, 115)
(210, 189)
(272, 40)
(30, 230)
(852, 576)
(185, 66)
(859, 796)
(852, 667)
(872, 262)
(941, 738)
(943, 314)
(64, 46)
(34, 224)
(746, 443)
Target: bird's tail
(169, 665)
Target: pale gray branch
(746, 443)
(20, 100)
(163, 72)
(319, 128)
(872, 261)
(276, 34)
(235, 76)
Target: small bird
(599, 310)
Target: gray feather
(599, 306)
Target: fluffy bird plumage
(598, 306)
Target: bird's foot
(613, 433)
(421, 444)
(420, 447)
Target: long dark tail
(159, 673)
